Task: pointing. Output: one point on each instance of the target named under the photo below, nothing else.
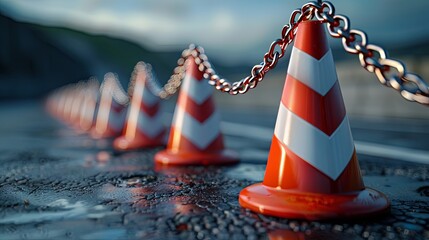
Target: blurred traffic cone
(68, 103)
(195, 136)
(76, 103)
(312, 170)
(144, 127)
(89, 105)
(55, 102)
(64, 95)
(112, 109)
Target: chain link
(391, 73)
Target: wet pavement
(59, 184)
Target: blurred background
(45, 44)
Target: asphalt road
(59, 184)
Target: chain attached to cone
(312, 170)
(391, 73)
(373, 58)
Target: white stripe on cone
(320, 75)
(199, 91)
(329, 154)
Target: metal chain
(373, 58)
(270, 60)
(390, 72)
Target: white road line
(393, 152)
(244, 130)
(392, 128)
(367, 148)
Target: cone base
(123, 143)
(312, 206)
(223, 157)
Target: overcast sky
(228, 30)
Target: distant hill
(104, 54)
(35, 59)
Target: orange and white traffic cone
(55, 102)
(76, 104)
(111, 110)
(89, 105)
(195, 136)
(67, 104)
(144, 127)
(312, 170)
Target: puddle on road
(61, 209)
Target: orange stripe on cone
(150, 110)
(293, 174)
(200, 112)
(313, 107)
(312, 170)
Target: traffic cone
(112, 109)
(64, 95)
(55, 101)
(76, 103)
(144, 127)
(195, 136)
(89, 105)
(68, 103)
(312, 171)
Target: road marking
(393, 152)
(391, 128)
(362, 147)
(245, 130)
